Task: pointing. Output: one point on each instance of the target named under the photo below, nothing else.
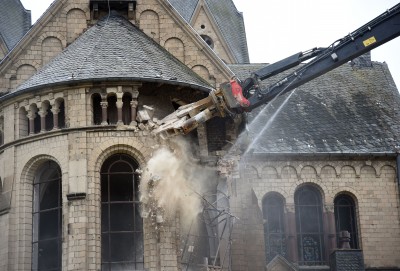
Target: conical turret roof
(114, 49)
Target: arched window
(126, 108)
(96, 107)
(47, 218)
(310, 237)
(49, 119)
(208, 40)
(121, 223)
(61, 114)
(274, 230)
(23, 122)
(112, 111)
(345, 218)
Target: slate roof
(342, 112)
(15, 21)
(228, 19)
(114, 49)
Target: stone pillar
(119, 104)
(291, 235)
(104, 106)
(42, 114)
(119, 111)
(331, 227)
(31, 117)
(55, 112)
(134, 105)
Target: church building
(308, 182)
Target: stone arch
(328, 171)
(46, 110)
(274, 193)
(149, 22)
(289, 172)
(349, 202)
(322, 189)
(345, 191)
(83, 7)
(34, 126)
(176, 47)
(95, 101)
(76, 23)
(58, 112)
(269, 172)
(202, 71)
(112, 111)
(348, 171)
(51, 47)
(22, 73)
(25, 198)
(387, 169)
(368, 170)
(53, 34)
(120, 148)
(309, 170)
(23, 122)
(134, 148)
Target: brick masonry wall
(372, 183)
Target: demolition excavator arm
(236, 97)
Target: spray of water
(257, 120)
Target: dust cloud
(172, 183)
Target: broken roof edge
(73, 82)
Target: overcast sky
(279, 28)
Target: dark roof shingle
(344, 111)
(114, 49)
(15, 21)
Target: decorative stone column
(119, 104)
(134, 105)
(119, 111)
(42, 114)
(104, 106)
(291, 233)
(31, 116)
(55, 112)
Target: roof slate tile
(114, 49)
(347, 110)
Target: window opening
(112, 111)
(274, 231)
(37, 123)
(121, 223)
(345, 218)
(308, 208)
(126, 108)
(61, 114)
(208, 40)
(96, 103)
(47, 218)
(49, 119)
